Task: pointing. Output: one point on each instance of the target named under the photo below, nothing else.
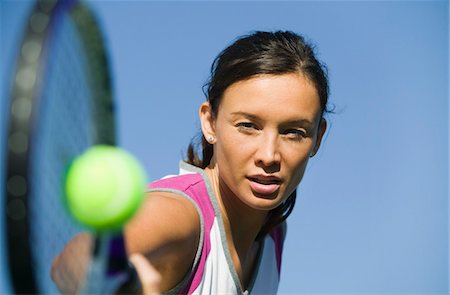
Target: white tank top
(213, 271)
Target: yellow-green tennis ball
(104, 187)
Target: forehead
(287, 96)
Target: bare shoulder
(166, 230)
(164, 217)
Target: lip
(264, 184)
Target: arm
(165, 231)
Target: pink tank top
(213, 271)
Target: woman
(219, 226)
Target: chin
(265, 202)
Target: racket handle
(110, 272)
(120, 266)
(131, 285)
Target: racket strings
(61, 105)
(63, 131)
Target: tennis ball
(104, 187)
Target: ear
(321, 132)
(207, 121)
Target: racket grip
(110, 272)
(120, 266)
(132, 284)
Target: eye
(295, 134)
(246, 127)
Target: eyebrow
(293, 122)
(244, 114)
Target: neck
(242, 223)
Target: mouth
(264, 185)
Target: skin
(149, 277)
(69, 275)
(266, 129)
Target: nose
(268, 154)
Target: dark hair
(260, 53)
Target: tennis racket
(60, 104)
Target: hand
(149, 277)
(69, 268)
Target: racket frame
(25, 97)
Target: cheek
(297, 169)
(298, 176)
(231, 147)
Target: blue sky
(372, 211)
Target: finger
(148, 275)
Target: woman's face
(265, 131)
